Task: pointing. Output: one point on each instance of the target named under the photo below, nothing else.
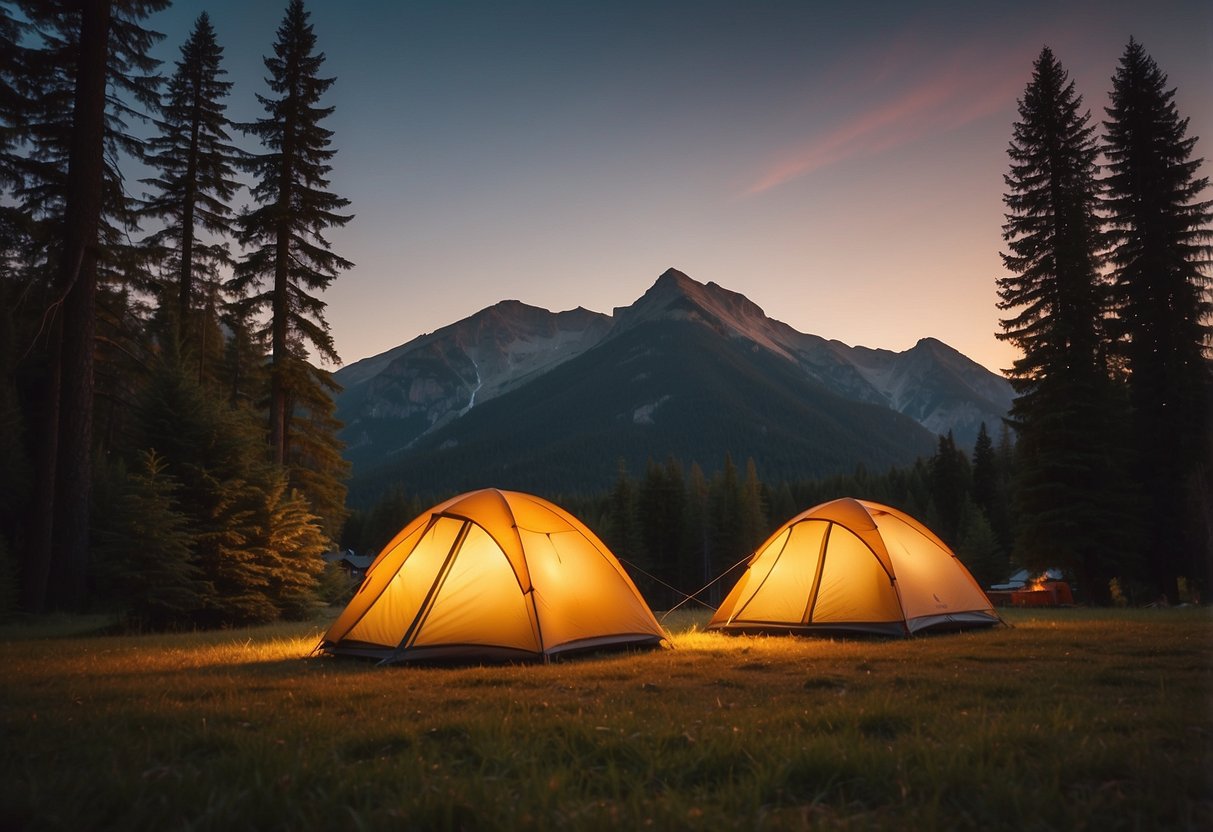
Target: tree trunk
(186, 285)
(37, 564)
(280, 357)
(78, 279)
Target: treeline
(679, 532)
(1107, 296)
(168, 449)
(683, 532)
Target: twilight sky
(840, 164)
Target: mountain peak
(677, 291)
(672, 286)
(930, 343)
(942, 353)
(678, 297)
(674, 276)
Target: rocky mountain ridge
(392, 400)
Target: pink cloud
(963, 89)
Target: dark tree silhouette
(950, 484)
(195, 182)
(991, 492)
(1158, 237)
(1067, 490)
(145, 551)
(623, 532)
(253, 539)
(92, 61)
(985, 472)
(289, 259)
(14, 461)
(697, 536)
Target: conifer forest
(169, 447)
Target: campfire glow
(1038, 583)
(1044, 590)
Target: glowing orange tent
(853, 566)
(492, 575)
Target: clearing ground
(1069, 719)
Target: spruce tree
(978, 549)
(1158, 237)
(696, 555)
(950, 486)
(660, 507)
(753, 512)
(985, 472)
(229, 540)
(90, 73)
(289, 258)
(289, 546)
(1069, 489)
(623, 532)
(990, 490)
(255, 542)
(651, 525)
(195, 182)
(145, 549)
(727, 536)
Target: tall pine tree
(696, 560)
(1158, 237)
(951, 483)
(660, 507)
(985, 473)
(623, 531)
(1069, 504)
(15, 484)
(991, 491)
(92, 72)
(728, 540)
(289, 259)
(195, 182)
(753, 517)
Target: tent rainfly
(492, 575)
(853, 566)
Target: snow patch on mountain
(479, 383)
(643, 415)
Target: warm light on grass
(689, 634)
(1070, 718)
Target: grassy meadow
(1069, 719)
